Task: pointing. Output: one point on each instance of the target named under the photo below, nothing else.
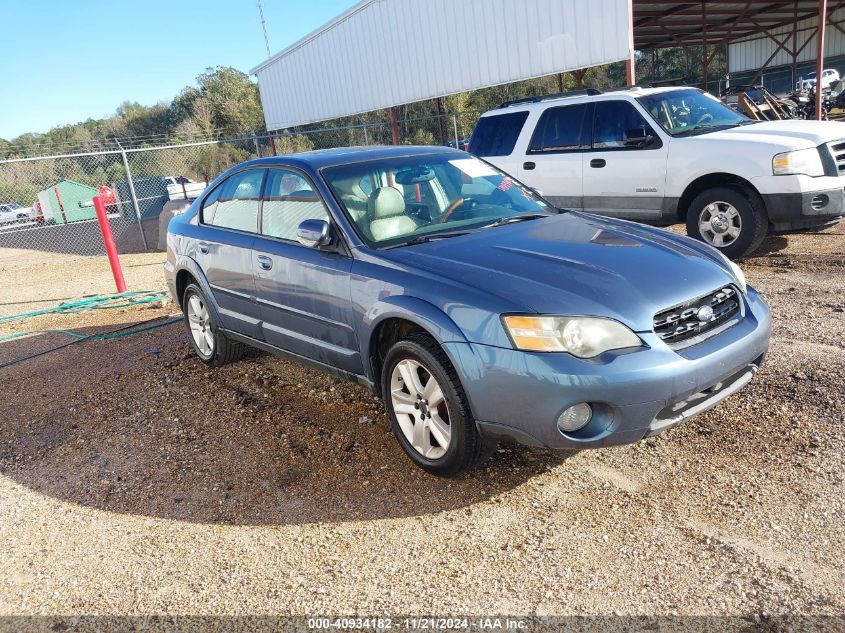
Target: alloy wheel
(200, 324)
(420, 408)
(719, 224)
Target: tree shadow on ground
(140, 426)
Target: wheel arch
(716, 179)
(187, 272)
(394, 318)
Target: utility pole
(264, 26)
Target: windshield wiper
(515, 218)
(422, 239)
(707, 128)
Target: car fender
(190, 265)
(418, 311)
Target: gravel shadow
(138, 425)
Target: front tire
(428, 410)
(208, 342)
(729, 219)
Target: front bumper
(634, 395)
(801, 202)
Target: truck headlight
(583, 337)
(802, 161)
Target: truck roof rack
(556, 95)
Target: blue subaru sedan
(472, 306)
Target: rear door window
(235, 203)
(560, 130)
(496, 135)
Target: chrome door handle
(265, 262)
(203, 246)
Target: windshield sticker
(473, 168)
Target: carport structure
(383, 53)
(670, 23)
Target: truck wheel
(728, 219)
(428, 410)
(208, 342)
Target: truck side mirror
(637, 137)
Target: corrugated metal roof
(383, 53)
(667, 23)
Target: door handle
(265, 262)
(528, 165)
(598, 162)
(203, 246)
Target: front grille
(690, 322)
(837, 150)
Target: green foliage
(224, 102)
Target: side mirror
(637, 137)
(313, 233)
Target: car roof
(541, 104)
(317, 159)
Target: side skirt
(262, 345)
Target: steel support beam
(630, 64)
(820, 58)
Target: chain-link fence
(46, 207)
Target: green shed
(67, 201)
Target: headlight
(583, 337)
(740, 277)
(803, 161)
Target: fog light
(575, 417)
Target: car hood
(789, 134)
(575, 264)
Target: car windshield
(396, 201)
(690, 112)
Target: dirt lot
(135, 480)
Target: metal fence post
(366, 136)
(455, 127)
(132, 194)
(257, 146)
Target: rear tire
(211, 346)
(433, 423)
(731, 220)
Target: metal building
(796, 58)
(384, 53)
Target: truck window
(611, 121)
(496, 135)
(560, 130)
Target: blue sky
(65, 61)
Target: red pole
(394, 125)
(820, 58)
(630, 63)
(108, 240)
(61, 206)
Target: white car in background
(182, 188)
(13, 213)
(808, 81)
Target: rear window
(496, 135)
(560, 130)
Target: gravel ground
(134, 480)
(30, 280)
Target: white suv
(668, 155)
